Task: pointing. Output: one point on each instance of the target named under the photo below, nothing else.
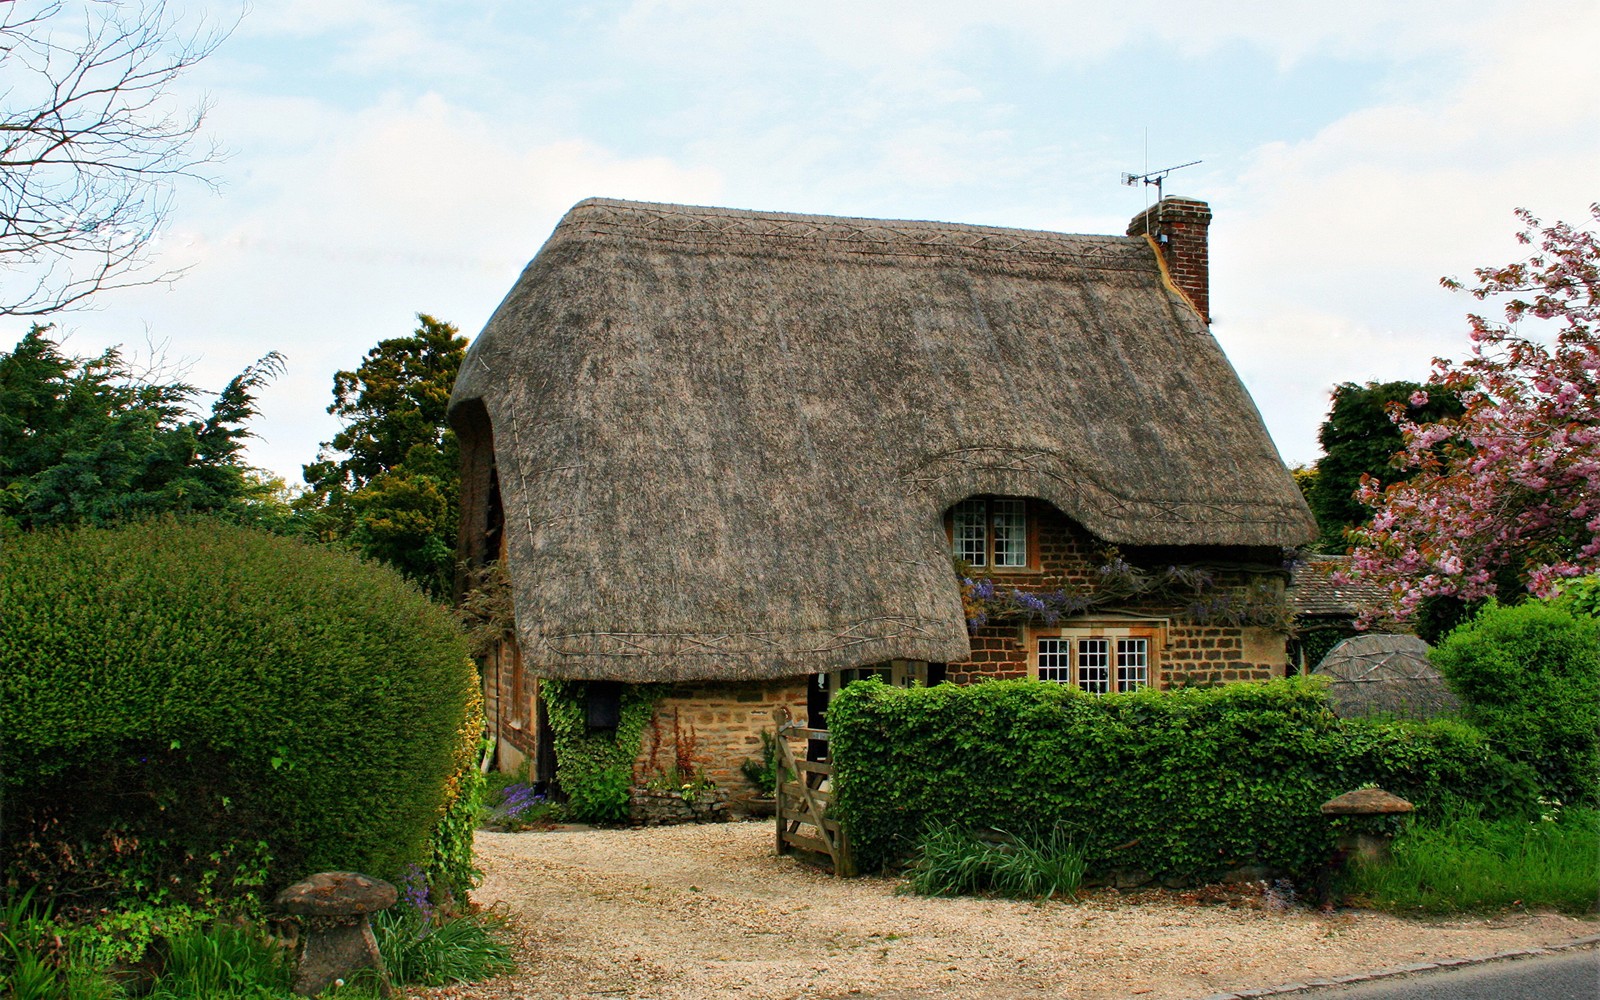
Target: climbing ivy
(451, 871)
(596, 768)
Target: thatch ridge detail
(774, 231)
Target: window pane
(1055, 661)
(969, 540)
(1133, 663)
(1094, 665)
(1010, 532)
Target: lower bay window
(1098, 658)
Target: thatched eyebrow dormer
(725, 440)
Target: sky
(386, 158)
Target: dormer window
(990, 532)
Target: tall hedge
(175, 693)
(1529, 677)
(1184, 783)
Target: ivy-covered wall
(595, 767)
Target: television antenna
(1155, 176)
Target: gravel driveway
(710, 911)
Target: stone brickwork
(666, 807)
(1204, 654)
(725, 719)
(508, 693)
(1190, 654)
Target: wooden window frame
(1153, 632)
(1030, 532)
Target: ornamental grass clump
(955, 861)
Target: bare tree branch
(91, 144)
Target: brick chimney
(1178, 225)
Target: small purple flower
(983, 590)
(1027, 602)
(414, 890)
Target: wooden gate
(805, 793)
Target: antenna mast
(1155, 176)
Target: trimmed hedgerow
(1529, 678)
(171, 690)
(1185, 783)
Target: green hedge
(191, 705)
(1184, 783)
(1529, 678)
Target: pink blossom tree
(1505, 498)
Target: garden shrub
(1529, 678)
(196, 712)
(1581, 596)
(1185, 783)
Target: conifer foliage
(94, 440)
(388, 483)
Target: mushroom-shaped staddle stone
(338, 939)
(337, 894)
(1366, 802)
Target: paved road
(1573, 975)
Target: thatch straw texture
(1382, 674)
(726, 439)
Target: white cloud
(322, 251)
(926, 33)
(1327, 252)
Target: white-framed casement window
(1099, 658)
(990, 532)
(895, 673)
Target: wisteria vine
(1195, 591)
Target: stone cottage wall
(1191, 654)
(725, 720)
(508, 705)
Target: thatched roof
(725, 439)
(1385, 675)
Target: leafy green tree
(1360, 438)
(388, 484)
(90, 440)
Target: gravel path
(710, 911)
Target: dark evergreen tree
(1359, 438)
(388, 483)
(88, 440)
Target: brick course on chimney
(1179, 226)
